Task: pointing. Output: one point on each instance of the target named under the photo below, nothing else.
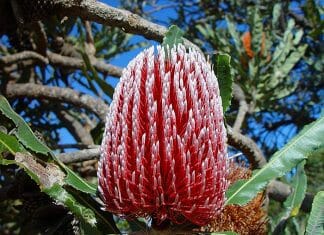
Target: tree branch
(9, 63)
(75, 63)
(22, 56)
(247, 146)
(243, 107)
(75, 127)
(107, 15)
(59, 94)
(79, 156)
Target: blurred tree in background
(57, 71)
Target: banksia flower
(164, 148)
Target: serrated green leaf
(172, 37)
(78, 183)
(316, 219)
(234, 34)
(11, 143)
(28, 139)
(205, 30)
(88, 229)
(61, 195)
(298, 149)
(285, 46)
(299, 184)
(276, 14)
(23, 133)
(289, 63)
(50, 180)
(225, 79)
(298, 36)
(257, 30)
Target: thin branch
(22, 56)
(247, 146)
(75, 63)
(79, 156)
(107, 15)
(59, 94)
(111, 16)
(89, 42)
(41, 38)
(243, 107)
(75, 127)
(10, 63)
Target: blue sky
(122, 59)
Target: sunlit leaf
(11, 143)
(276, 14)
(302, 145)
(172, 37)
(28, 139)
(234, 34)
(225, 79)
(316, 218)
(257, 30)
(61, 195)
(299, 184)
(78, 183)
(23, 133)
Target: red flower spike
(164, 148)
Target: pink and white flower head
(163, 152)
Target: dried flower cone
(164, 147)
(245, 220)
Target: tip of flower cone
(164, 150)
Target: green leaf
(288, 64)
(88, 229)
(172, 37)
(61, 195)
(28, 139)
(316, 218)
(78, 183)
(49, 177)
(105, 87)
(205, 30)
(3, 161)
(225, 79)
(299, 184)
(11, 143)
(23, 133)
(257, 30)
(298, 36)
(234, 34)
(294, 200)
(298, 149)
(105, 220)
(276, 14)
